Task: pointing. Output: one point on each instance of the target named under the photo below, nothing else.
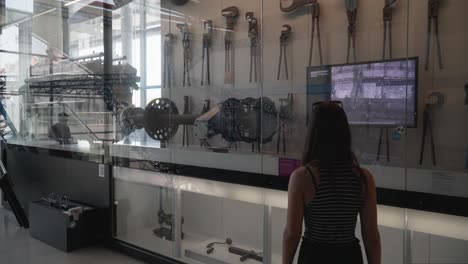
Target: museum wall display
(199, 109)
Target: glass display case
(201, 109)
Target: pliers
(315, 22)
(253, 36)
(207, 36)
(387, 20)
(351, 11)
(433, 14)
(284, 37)
(184, 29)
(167, 75)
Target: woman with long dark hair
(327, 193)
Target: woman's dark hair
(328, 136)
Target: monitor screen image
(377, 93)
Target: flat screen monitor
(380, 93)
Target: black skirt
(330, 253)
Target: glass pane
(152, 93)
(144, 214)
(153, 55)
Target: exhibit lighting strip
(388, 216)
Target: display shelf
(389, 216)
(81, 146)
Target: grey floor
(17, 247)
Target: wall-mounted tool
(315, 15)
(434, 101)
(433, 15)
(207, 37)
(210, 246)
(231, 14)
(315, 23)
(284, 38)
(185, 136)
(253, 36)
(295, 4)
(167, 71)
(387, 21)
(184, 30)
(285, 113)
(351, 11)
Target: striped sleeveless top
(331, 216)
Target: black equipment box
(65, 229)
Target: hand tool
(167, 74)
(185, 136)
(210, 246)
(253, 36)
(315, 13)
(434, 101)
(351, 11)
(184, 29)
(246, 254)
(207, 37)
(231, 14)
(433, 14)
(295, 4)
(387, 20)
(284, 114)
(284, 37)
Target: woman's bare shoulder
(297, 179)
